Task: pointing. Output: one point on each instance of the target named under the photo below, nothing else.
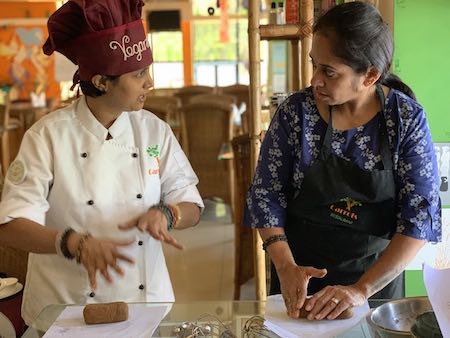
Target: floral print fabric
(293, 143)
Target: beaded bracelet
(61, 243)
(167, 211)
(80, 247)
(273, 239)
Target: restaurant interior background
(193, 48)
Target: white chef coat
(67, 174)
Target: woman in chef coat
(97, 186)
(346, 189)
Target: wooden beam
(255, 131)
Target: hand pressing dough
(348, 313)
(105, 313)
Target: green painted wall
(422, 60)
(422, 57)
(414, 285)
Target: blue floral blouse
(293, 143)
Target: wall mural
(23, 64)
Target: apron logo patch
(345, 213)
(16, 172)
(154, 152)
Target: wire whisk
(254, 327)
(207, 325)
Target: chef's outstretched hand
(155, 223)
(331, 301)
(294, 281)
(99, 255)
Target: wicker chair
(13, 263)
(225, 99)
(243, 267)
(185, 93)
(162, 91)
(8, 125)
(209, 127)
(167, 108)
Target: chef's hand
(155, 223)
(294, 281)
(331, 301)
(99, 254)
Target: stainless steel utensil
(394, 319)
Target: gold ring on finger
(335, 300)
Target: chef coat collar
(120, 130)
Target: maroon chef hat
(103, 37)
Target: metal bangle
(176, 212)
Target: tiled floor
(204, 270)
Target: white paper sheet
(437, 284)
(278, 321)
(143, 320)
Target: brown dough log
(348, 313)
(105, 313)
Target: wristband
(61, 243)
(273, 239)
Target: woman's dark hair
(361, 38)
(88, 88)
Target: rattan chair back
(209, 126)
(186, 93)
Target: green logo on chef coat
(153, 151)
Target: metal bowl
(426, 326)
(394, 319)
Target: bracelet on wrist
(175, 209)
(80, 247)
(167, 212)
(274, 239)
(61, 243)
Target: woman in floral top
(346, 189)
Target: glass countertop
(233, 314)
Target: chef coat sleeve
(178, 179)
(267, 197)
(28, 180)
(419, 205)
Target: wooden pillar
(307, 20)
(255, 131)
(296, 78)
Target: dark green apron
(343, 217)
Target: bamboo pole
(255, 131)
(307, 20)
(295, 47)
